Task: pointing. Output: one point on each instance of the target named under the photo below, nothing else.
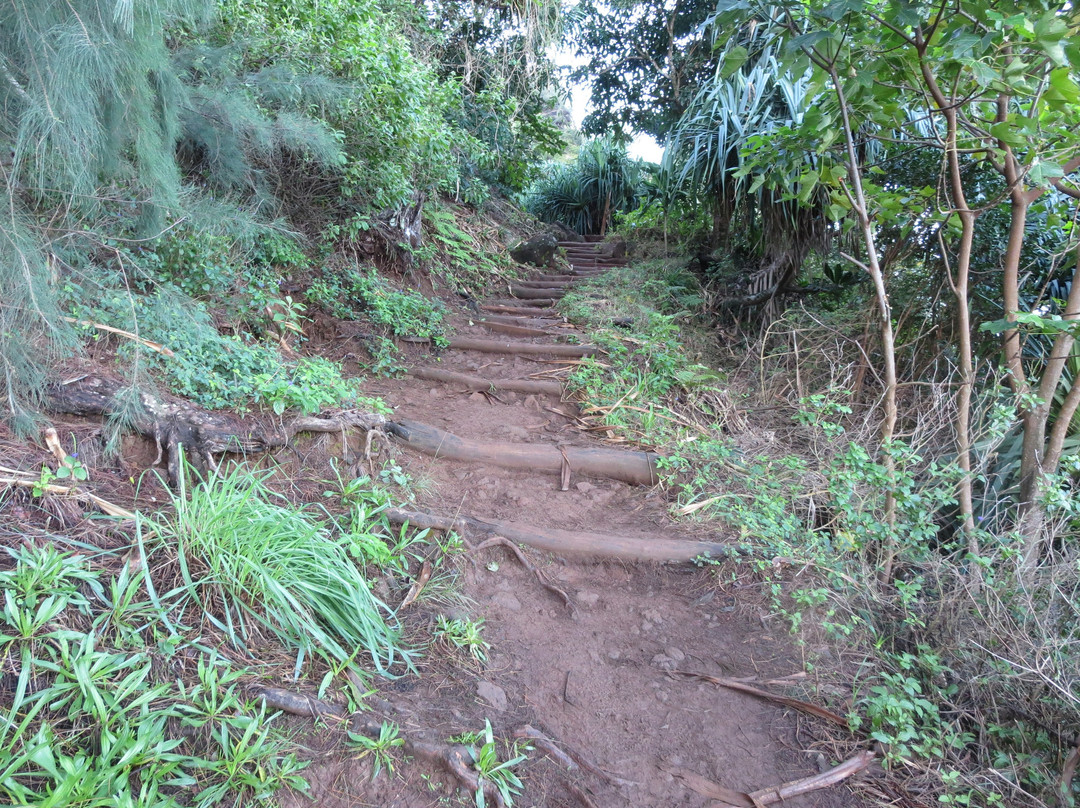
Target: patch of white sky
(642, 146)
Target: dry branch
(565, 542)
(470, 382)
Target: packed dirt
(605, 676)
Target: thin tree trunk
(872, 267)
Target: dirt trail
(598, 677)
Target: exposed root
(177, 425)
(568, 756)
(771, 796)
(569, 542)
(499, 541)
(286, 701)
(455, 758)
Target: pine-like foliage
(88, 104)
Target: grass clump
(255, 566)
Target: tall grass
(254, 564)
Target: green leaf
(733, 60)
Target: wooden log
(567, 284)
(470, 382)
(570, 542)
(537, 303)
(555, 277)
(521, 311)
(636, 468)
(536, 321)
(524, 292)
(515, 330)
(521, 348)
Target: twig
(104, 505)
(418, 585)
(797, 704)
(568, 756)
(500, 541)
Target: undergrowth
(974, 685)
(126, 670)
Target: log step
(522, 348)
(636, 468)
(521, 311)
(569, 542)
(540, 303)
(515, 330)
(526, 293)
(470, 382)
(567, 284)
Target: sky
(642, 146)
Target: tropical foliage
(585, 194)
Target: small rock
(584, 487)
(492, 694)
(532, 403)
(664, 663)
(675, 654)
(586, 598)
(517, 432)
(507, 601)
(434, 392)
(477, 397)
(613, 655)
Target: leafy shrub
(210, 369)
(199, 264)
(355, 292)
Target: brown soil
(600, 677)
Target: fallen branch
(797, 704)
(418, 586)
(772, 795)
(31, 481)
(499, 541)
(636, 468)
(153, 346)
(565, 542)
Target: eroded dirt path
(601, 677)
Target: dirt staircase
(588, 642)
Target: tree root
(286, 701)
(775, 794)
(455, 758)
(499, 541)
(567, 756)
(177, 425)
(568, 542)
